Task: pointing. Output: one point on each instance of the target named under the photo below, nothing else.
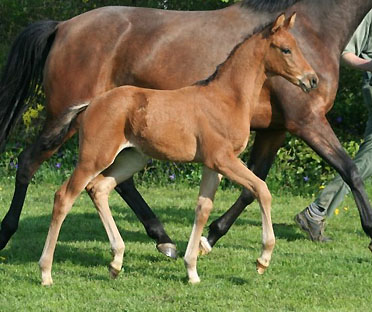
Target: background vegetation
(297, 167)
(303, 276)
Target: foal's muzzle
(308, 82)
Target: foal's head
(284, 57)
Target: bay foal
(192, 124)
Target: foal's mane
(206, 81)
(269, 6)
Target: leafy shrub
(297, 168)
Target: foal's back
(164, 124)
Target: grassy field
(303, 276)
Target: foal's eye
(285, 50)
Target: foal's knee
(264, 195)
(98, 189)
(203, 209)
(60, 203)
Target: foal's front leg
(232, 167)
(265, 148)
(208, 188)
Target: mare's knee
(24, 169)
(246, 197)
(353, 179)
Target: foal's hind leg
(234, 169)
(125, 165)
(63, 201)
(208, 187)
(99, 190)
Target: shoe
(314, 228)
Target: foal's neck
(242, 75)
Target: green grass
(303, 276)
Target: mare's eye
(285, 50)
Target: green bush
(297, 168)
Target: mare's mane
(269, 6)
(257, 30)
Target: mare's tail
(22, 74)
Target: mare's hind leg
(154, 228)
(28, 162)
(208, 187)
(125, 165)
(231, 167)
(265, 147)
(63, 201)
(44, 147)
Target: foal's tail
(22, 74)
(62, 125)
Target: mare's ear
(279, 22)
(290, 22)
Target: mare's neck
(242, 75)
(335, 20)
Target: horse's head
(284, 57)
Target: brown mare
(109, 47)
(191, 124)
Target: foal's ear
(290, 22)
(279, 22)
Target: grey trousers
(334, 193)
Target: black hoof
(3, 242)
(168, 249)
(2, 245)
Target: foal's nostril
(314, 82)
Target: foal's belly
(167, 142)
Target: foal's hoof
(370, 246)
(47, 282)
(168, 249)
(113, 272)
(260, 267)
(204, 246)
(194, 280)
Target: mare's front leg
(265, 147)
(208, 187)
(318, 134)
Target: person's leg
(311, 219)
